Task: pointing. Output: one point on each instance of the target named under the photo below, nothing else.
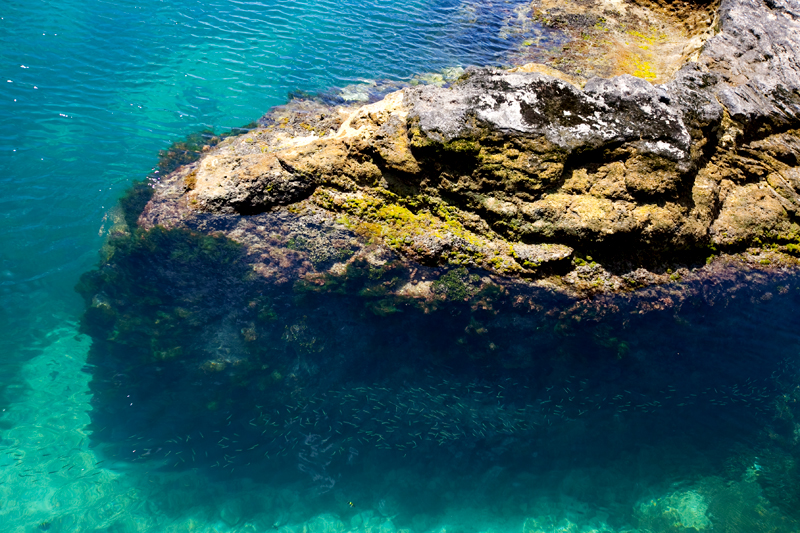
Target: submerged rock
(445, 224)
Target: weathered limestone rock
(515, 171)
(749, 212)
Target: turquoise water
(678, 421)
(91, 92)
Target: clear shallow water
(90, 91)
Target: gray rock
(757, 56)
(541, 253)
(621, 109)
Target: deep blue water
(677, 421)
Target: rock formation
(512, 190)
(523, 174)
(449, 227)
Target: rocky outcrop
(490, 171)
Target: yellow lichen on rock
(648, 39)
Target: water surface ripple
(92, 90)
